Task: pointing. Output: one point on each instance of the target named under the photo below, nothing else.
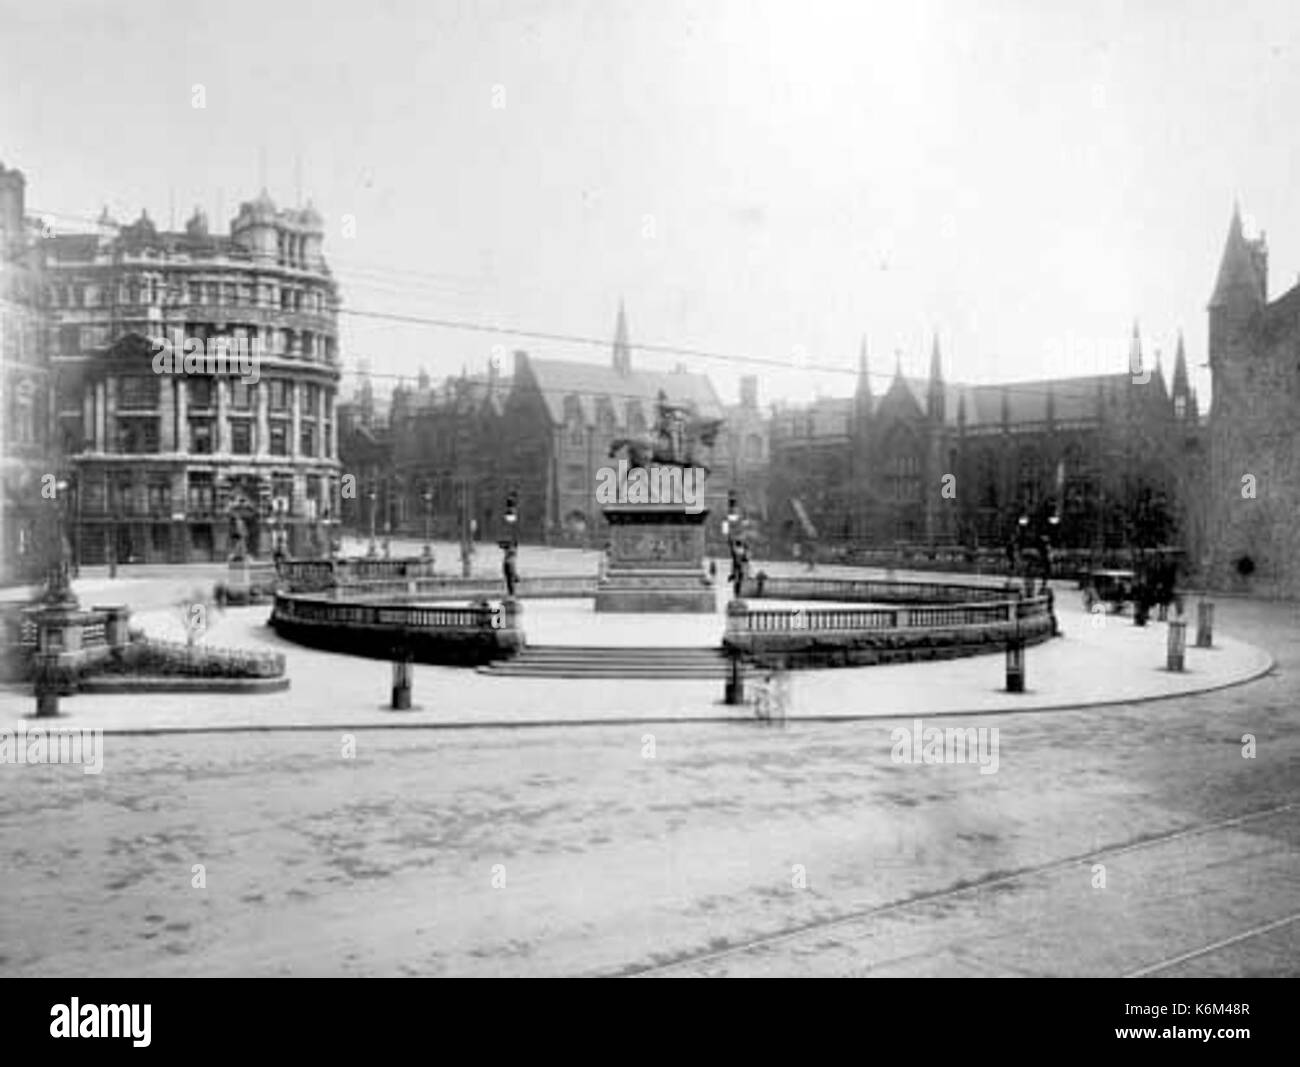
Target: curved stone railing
(462, 635)
(783, 620)
(877, 591)
(544, 587)
(912, 625)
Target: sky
(765, 182)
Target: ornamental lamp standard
(388, 516)
(58, 588)
(373, 550)
(512, 516)
(510, 545)
(733, 513)
(1053, 537)
(427, 497)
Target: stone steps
(569, 661)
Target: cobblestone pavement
(697, 848)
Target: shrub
(168, 659)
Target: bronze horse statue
(697, 436)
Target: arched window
(573, 420)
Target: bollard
(1015, 664)
(735, 690)
(47, 685)
(1205, 624)
(1177, 644)
(402, 681)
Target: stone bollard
(1205, 624)
(1015, 664)
(402, 670)
(1177, 644)
(47, 685)
(735, 688)
(117, 618)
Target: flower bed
(168, 659)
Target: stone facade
(557, 426)
(26, 447)
(183, 465)
(1252, 531)
(1103, 454)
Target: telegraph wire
(651, 348)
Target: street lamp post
(466, 549)
(510, 546)
(373, 550)
(388, 517)
(736, 545)
(1022, 537)
(427, 496)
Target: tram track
(855, 914)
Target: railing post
(402, 671)
(1015, 662)
(735, 687)
(1176, 644)
(1204, 624)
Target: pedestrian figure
(763, 699)
(508, 570)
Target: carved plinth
(656, 561)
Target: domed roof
(261, 208)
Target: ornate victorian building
(25, 399)
(180, 463)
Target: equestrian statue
(681, 438)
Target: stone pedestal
(656, 561)
(117, 619)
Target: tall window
(279, 438)
(905, 478)
(200, 492)
(137, 435)
(282, 490)
(279, 394)
(137, 393)
(200, 393)
(307, 439)
(241, 436)
(201, 436)
(160, 498)
(241, 394)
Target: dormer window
(1180, 407)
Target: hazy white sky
(765, 178)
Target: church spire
(1242, 277)
(864, 372)
(622, 350)
(1180, 369)
(863, 401)
(1135, 353)
(936, 371)
(936, 398)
